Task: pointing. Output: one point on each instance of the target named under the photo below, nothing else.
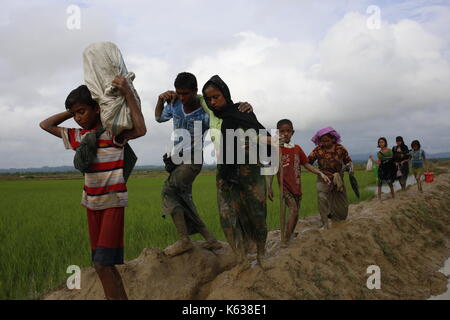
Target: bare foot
(325, 226)
(242, 267)
(178, 247)
(260, 259)
(285, 243)
(212, 245)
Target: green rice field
(43, 227)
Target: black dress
(387, 170)
(401, 154)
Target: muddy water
(446, 295)
(385, 188)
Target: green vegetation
(43, 228)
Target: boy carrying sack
(101, 156)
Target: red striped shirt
(104, 185)
(106, 189)
(104, 166)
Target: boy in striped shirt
(104, 193)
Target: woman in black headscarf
(401, 158)
(241, 189)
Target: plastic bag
(102, 62)
(369, 165)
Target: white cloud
(317, 64)
(354, 75)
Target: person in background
(333, 160)
(293, 158)
(386, 167)
(401, 158)
(418, 161)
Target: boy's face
(215, 98)
(86, 116)
(287, 131)
(186, 96)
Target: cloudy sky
(317, 63)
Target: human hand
(245, 107)
(325, 178)
(351, 170)
(277, 141)
(282, 140)
(168, 96)
(120, 141)
(121, 84)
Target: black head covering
(218, 83)
(232, 118)
(403, 148)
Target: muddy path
(408, 238)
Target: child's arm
(312, 157)
(310, 168)
(51, 124)
(139, 128)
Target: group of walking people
(241, 188)
(393, 164)
(106, 161)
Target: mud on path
(408, 238)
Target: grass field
(43, 228)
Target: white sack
(102, 62)
(369, 165)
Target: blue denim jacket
(181, 120)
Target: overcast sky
(317, 63)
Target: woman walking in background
(386, 167)
(417, 162)
(333, 159)
(401, 158)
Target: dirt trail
(408, 238)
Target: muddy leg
(183, 244)
(292, 221)
(261, 251)
(391, 187)
(111, 282)
(402, 181)
(211, 242)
